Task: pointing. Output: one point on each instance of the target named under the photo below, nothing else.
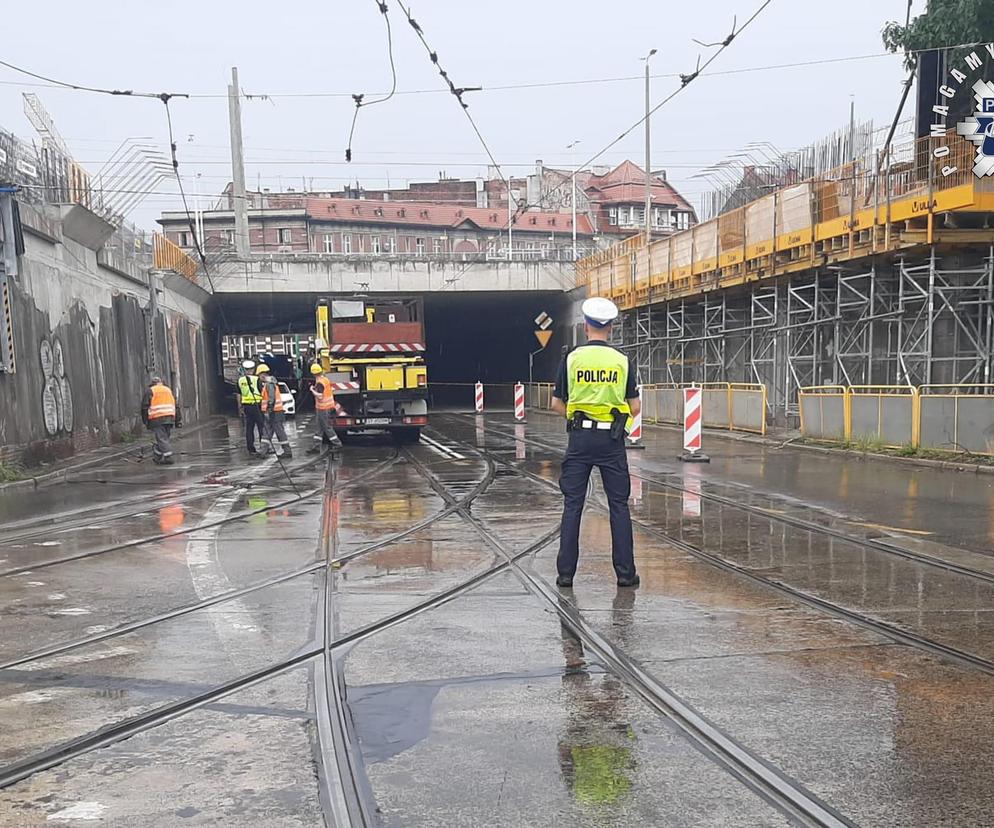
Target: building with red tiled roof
(350, 226)
(617, 202)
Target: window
(360, 244)
(660, 218)
(638, 216)
(391, 244)
(376, 244)
(612, 216)
(283, 236)
(346, 242)
(624, 216)
(184, 239)
(436, 246)
(419, 246)
(682, 220)
(228, 237)
(329, 243)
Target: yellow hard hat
(316, 369)
(262, 369)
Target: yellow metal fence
(169, 256)
(955, 418)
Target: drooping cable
(358, 98)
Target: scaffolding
(908, 320)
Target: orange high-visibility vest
(326, 401)
(278, 404)
(163, 403)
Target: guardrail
(955, 417)
(735, 406)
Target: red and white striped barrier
(519, 402)
(345, 386)
(635, 435)
(479, 398)
(377, 348)
(692, 424)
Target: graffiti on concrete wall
(56, 395)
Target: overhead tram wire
(685, 81)
(359, 98)
(50, 83)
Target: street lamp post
(648, 158)
(573, 165)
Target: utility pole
(648, 158)
(510, 221)
(239, 202)
(573, 165)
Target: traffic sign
(544, 321)
(543, 337)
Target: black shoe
(633, 582)
(564, 581)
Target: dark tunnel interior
(470, 336)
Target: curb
(61, 475)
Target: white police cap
(248, 364)
(599, 311)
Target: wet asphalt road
(489, 708)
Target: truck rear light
(422, 381)
(416, 420)
(344, 421)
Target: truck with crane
(372, 350)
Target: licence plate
(378, 421)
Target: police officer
(597, 391)
(250, 401)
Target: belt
(595, 424)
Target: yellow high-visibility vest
(248, 389)
(596, 379)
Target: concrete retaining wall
(81, 346)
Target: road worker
(249, 401)
(159, 413)
(272, 413)
(324, 408)
(597, 391)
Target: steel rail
(90, 553)
(944, 651)
(220, 598)
(771, 784)
(134, 725)
(799, 523)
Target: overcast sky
(340, 47)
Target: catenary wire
(359, 98)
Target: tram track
(231, 518)
(874, 544)
(760, 776)
(143, 722)
(895, 634)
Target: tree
(945, 23)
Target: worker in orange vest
(324, 408)
(272, 413)
(160, 414)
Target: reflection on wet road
(468, 695)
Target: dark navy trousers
(589, 448)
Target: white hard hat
(599, 311)
(248, 365)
